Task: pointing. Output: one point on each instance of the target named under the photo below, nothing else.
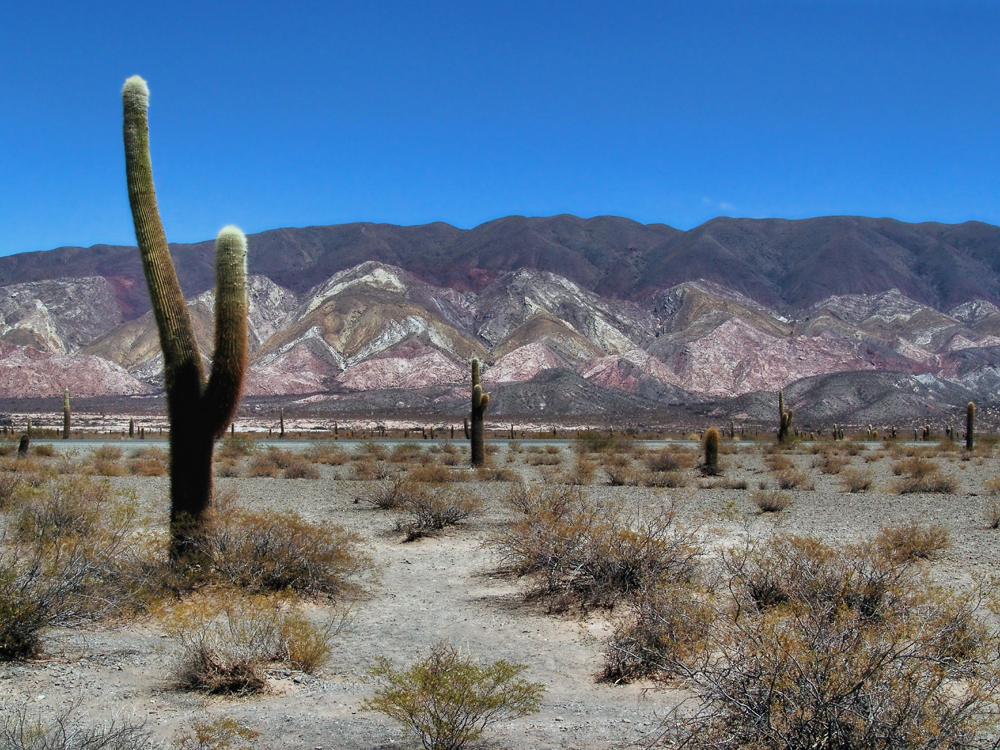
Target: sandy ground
(448, 587)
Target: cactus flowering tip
(135, 92)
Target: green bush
(448, 700)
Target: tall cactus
(711, 465)
(480, 402)
(970, 426)
(66, 414)
(199, 411)
(785, 418)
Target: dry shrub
(489, 473)
(853, 480)
(11, 486)
(821, 647)
(993, 516)
(620, 471)
(236, 447)
(582, 472)
(227, 645)
(434, 508)
(326, 452)
(538, 458)
(434, 473)
(922, 475)
(406, 453)
(368, 469)
(228, 468)
(594, 552)
(106, 468)
(107, 453)
(448, 700)
(149, 462)
(592, 441)
(22, 728)
(43, 450)
(770, 501)
(992, 487)
(668, 618)
(669, 479)
(909, 542)
(389, 493)
(264, 553)
(663, 459)
(221, 734)
(65, 562)
(373, 451)
(790, 479)
(778, 462)
(300, 468)
(831, 464)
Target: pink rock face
(736, 358)
(625, 372)
(523, 363)
(296, 371)
(26, 373)
(409, 365)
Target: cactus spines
(970, 425)
(711, 465)
(66, 414)
(785, 418)
(480, 402)
(199, 411)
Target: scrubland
(827, 594)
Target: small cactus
(970, 426)
(480, 402)
(66, 414)
(711, 465)
(131, 429)
(281, 423)
(785, 418)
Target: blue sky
(290, 114)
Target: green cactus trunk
(711, 465)
(199, 412)
(480, 402)
(970, 426)
(784, 417)
(66, 415)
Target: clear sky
(268, 114)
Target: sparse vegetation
(448, 700)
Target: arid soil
(448, 587)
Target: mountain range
(858, 319)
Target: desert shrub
(300, 468)
(582, 472)
(236, 447)
(670, 479)
(222, 734)
(43, 450)
(24, 729)
(389, 493)
(433, 473)
(227, 467)
(664, 619)
(993, 516)
(284, 552)
(620, 471)
(790, 479)
(831, 464)
(596, 553)
(489, 473)
(326, 452)
(814, 646)
(909, 541)
(853, 480)
(662, 460)
(770, 501)
(432, 509)
(921, 475)
(227, 645)
(448, 700)
(992, 486)
(371, 450)
(369, 469)
(63, 563)
(405, 453)
(778, 462)
(149, 462)
(108, 468)
(107, 453)
(276, 462)
(603, 442)
(11, 485)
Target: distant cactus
(22, 447)
(711, 465)
(480, 402)
(281, 424)
(970, 426)
(785, 419)
(199, 411)
(66, 414)
(465, 428)
(131, 429)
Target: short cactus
(785, 419)
(711, 465)
(199, 411)
(970, 426)
(66, 414)
(480, 402)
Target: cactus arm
(181, 360)
(229, 360)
